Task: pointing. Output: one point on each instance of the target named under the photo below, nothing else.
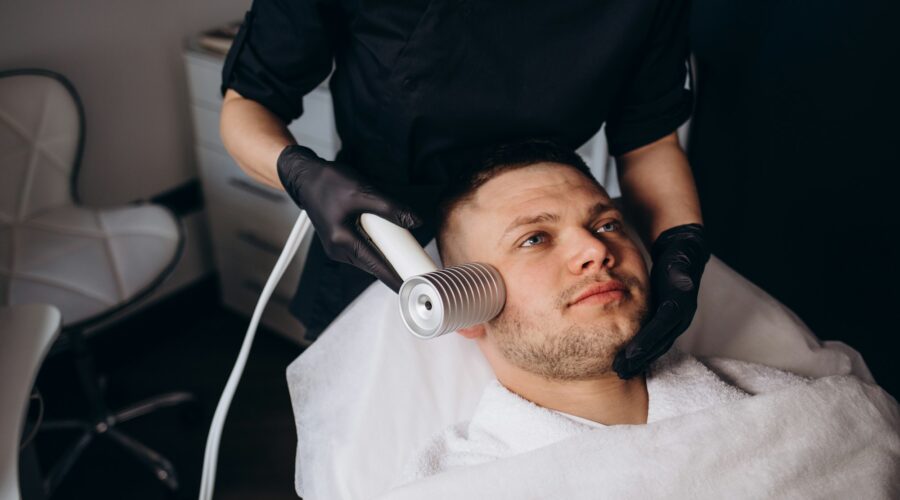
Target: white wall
(124, 57)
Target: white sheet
(835, 437)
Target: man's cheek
(637, 265)
(526, 286)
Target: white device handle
(398, 246)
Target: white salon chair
(26, 333)
(89, 263)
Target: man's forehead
(534, 188)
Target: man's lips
(602, 292)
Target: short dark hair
(476, 167)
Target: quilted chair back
(88, 262)
(41, 137)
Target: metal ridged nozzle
(448, 299)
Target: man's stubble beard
(572, 352)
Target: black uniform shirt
(414, 79)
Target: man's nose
(590, 253)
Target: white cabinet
(249, 222)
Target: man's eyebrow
(601, 207)
(525, 220)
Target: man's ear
(472, 332)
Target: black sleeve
(654, 101)
(283, 50)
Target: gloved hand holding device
(334, 196)
(679, 257)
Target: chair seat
(86, 261)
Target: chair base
(161, 467)
(103, 423)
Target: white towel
(835, 437)
(505, 424)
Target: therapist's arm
(254, 137)
(658, 187)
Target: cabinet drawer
(225, 184)
(283, 292)
(243, 250)
(251, 244)
(204, 79)
(206, 127)
(249, 222)
(241, 294)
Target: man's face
(555, 238)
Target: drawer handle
(257, 289)
(257, 242)
(255, 190)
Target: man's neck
(606, 399)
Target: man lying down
(557, 416)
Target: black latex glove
(334, 196)
(679, 256)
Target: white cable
(210, 457)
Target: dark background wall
(795, 148)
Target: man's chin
(613, 333)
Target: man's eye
(532, 240)
(609, 226)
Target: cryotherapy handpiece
(432, 301)
(455, 297)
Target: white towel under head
(505, 424)
(833, 437)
